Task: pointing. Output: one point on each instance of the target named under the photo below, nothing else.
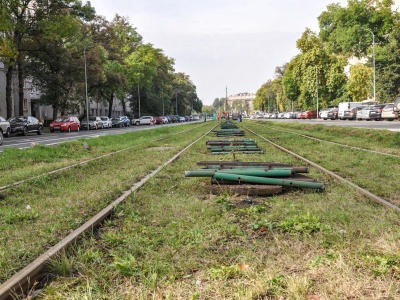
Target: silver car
(94, 123)
(388, 112)
(107, 123)
(5, 129)
(363, 114)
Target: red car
(65, 123)
(159, 120)
(308, 114)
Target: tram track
(336, 143)
(84, 162)
(27, 277)
(361, 190)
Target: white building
(242, 102)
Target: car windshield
(20, 119)
(115, 119)
(62, 119)
(104, 118)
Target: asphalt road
(47, 138)
(57, 137)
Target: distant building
(241, 103)
(14, 95)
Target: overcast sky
(221, 43)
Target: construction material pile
(227, 146)
(228, 129)
(254, 178)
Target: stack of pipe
(229, 128)
(228, 146)
(261, 173)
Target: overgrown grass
(173, 240)
(40, 212)
(372, 171)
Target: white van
(349, 105)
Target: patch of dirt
(161, 148)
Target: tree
(360, 74)
(22, 19)
(120, 40)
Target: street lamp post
(138, 90)
(316, 86)
(86, 88)
(373, 58)
(176, 102)
(162, 98)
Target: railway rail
(21, 282)
(336, 143)
(363, 191)
(84, 162)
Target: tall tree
(21, 19)
(119, 39)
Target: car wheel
(25, 131)
(39, 132)
(137, 123)
(8, 133)
(1, 137)
(69, 129)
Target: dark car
(333, 114)
(117, 122)
(376, 112)
(4, 129)
(25, 125)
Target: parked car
(126, 120)
(388, 112)
(298, 114)
(5, 129)
(117, 122)
(323, 113)
(159, 120)
(376, 112)
(25, 125)
(94, 123)
(308, 114)
(165, 120)
(333, 114)
(65, 123)
(363, 114)
(107, 123)
(351, 114)
(145, 120)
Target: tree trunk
(9, 102)
(123, 106)
(20, 85)
(110, 104)
(55, 112)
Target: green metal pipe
(268, 167)
(250, 172)
(244, 152)
(271, 181)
